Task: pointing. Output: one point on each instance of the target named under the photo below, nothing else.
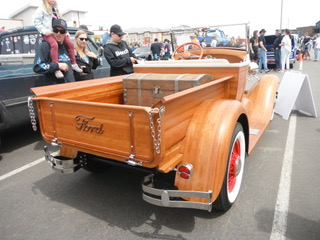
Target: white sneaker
(58, 74)
(76, 68)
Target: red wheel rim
(232, 174)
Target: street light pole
(281, 15)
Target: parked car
(220, 36)
(17, 51)
(143, 52)
(270, 53)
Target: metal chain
(156, 139)
(32, 114)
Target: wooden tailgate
(107, 128)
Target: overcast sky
(166, 14)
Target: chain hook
(156, 139)
(32, 114)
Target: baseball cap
(83, 27)
(117, 30)
(59, 23)
(262, 30)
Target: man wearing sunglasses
(118, 53)
(43, 63)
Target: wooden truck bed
(202, 133)
(91, 117)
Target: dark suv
(270, 53)
(17, 51)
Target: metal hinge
(55, 143)
(131, 160)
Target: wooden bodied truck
(192, 137)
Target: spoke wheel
(234, 172)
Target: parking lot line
(282, 206)
(18, 170)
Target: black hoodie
(118, 56)
(277, 42)
(44, 65)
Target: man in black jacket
(118, 53)
(156, 49)
(277, 49)
(42, 60)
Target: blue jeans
(316, 53)
(263, 60)
(277, 58)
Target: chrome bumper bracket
(62, 164)
(165, 198)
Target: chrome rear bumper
(165, 198)
(62, 164)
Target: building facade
(309, 30)
(74, 17)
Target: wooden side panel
(179, 109)
(109, 92)
(64, 89)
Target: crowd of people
(282, 47)
(306, 43)
(61, 60)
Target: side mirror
(101, 50)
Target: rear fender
(207, 145)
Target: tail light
(185, 171)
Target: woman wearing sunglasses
(86, 60)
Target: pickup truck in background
(17, 51)
(222, 40)
(270, 53)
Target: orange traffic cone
(300, 59)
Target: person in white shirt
(286, 47)
(316, 47)
(214, 42)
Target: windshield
(142, 49)
(232, 35)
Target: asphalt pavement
(279, 197)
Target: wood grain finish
(102, 127)
(259, 103)
(237, 83)
(147, 89)
(207, 143)
(196, 126)
(232, 55)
